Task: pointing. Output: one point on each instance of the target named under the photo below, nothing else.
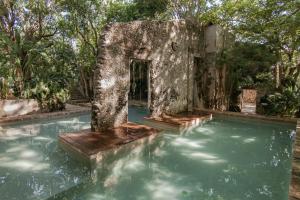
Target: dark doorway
(139, 82)
(199, 86)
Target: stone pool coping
(70, 110)
(179, 122)
(294, 193)
(251, 116)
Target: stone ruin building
(169, 66)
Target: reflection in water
(221, 160)
(31, 164)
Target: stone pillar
(111, 86)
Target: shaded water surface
(225, 159)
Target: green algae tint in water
(32, 166)
(221, 160)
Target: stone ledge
(251, 116)
(178, 122)
(18, 107)
(70, 110)
(294, 192)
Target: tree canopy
(57, 41)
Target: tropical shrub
(51, 97)
(249, 67)
(285, 101)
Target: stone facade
(210, 77)
(170, 49)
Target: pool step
(93, 146)
(179, 122)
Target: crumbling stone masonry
(171, 48)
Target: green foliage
(270, 29)
(33, 49)
(284, 103)
(119, 11)
(264, 80)
(284, 100)
(51, 96)
(83, 21)
(249, 66)
(273, 23)
(150, 9)
(57, 41)
(248, 58)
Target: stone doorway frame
(149, 63)
(193, 57)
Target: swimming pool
(225, 159)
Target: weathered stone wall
(169, 46)
(10, 108)
(210, 82)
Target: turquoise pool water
(225, 159)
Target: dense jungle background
(49, 47)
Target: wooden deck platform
(178, 122)
(91, 146)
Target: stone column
(111, 85)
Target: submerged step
(179, 122)
(93, 146)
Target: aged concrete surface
(295, 182)
(171, 48)
(11, 108)
(179, 122)
(91, 146)
(168, 46)
(70, 110)
(248, 101)
(210, 76)
(250, 116)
